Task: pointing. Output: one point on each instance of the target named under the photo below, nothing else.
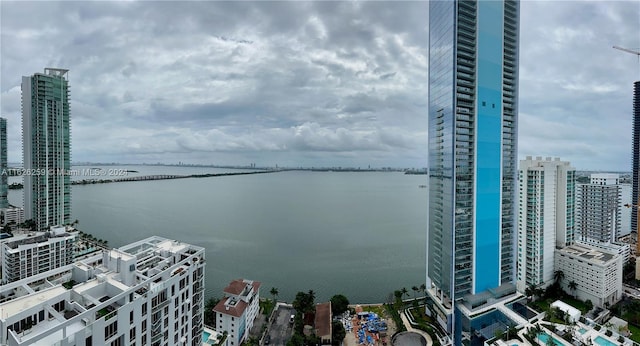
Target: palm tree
(415, 290)
(404, 291)
(573, 286)
(274, 292)
(558, 275)
(398, 294)
(423, 288)
(529, 291)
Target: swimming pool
(205, 336)
(582, 330)
(604, 342)
(544, 337)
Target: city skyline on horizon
(338, 84)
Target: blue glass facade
(473, 71)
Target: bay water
(361, 234)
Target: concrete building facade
(12, 214)
(236, 312)
(146, 293)
(546, 194)
(597, 274)
(46, 140)
(4, 176)
(36, 253)
(598, 215)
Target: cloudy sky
(339, 83)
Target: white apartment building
(546, 194)
(12, 214)
(146, 293)
(598, 274)
(620, 248)
(24, 256)
(598, 213)
(238, 309)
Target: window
(132, 334)
(110, 330)
(131, 317)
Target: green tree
(573, 286)
(558, 275)
(296, 340)
(415, 290)
(252, 341)
(209, 315)
(337, 333)
(530, 291)
(274, 292)
(398, 303)
(511, 332)
(339, 304)
(304, 302)
(398, 294)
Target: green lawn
(543, 305)
(635, 333)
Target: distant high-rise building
(473, 88)
(46, 144)
(635, 166)
(546, 218)
(598, 209)
(635, 153)
(4, 202)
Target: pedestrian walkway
(410, 328)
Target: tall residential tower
(46, 148)
(473, 86)
(635, 158)
(4, 202)
(546, 218)
(598, 209)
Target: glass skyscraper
(473, 84)
(46, 153)
(635, 158)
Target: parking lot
(280, 330)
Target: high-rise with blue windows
(473, 94)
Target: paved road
(280, 330)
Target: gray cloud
(306, 83)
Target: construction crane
(628, 50)
(634, 52)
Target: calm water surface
(359, 234)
